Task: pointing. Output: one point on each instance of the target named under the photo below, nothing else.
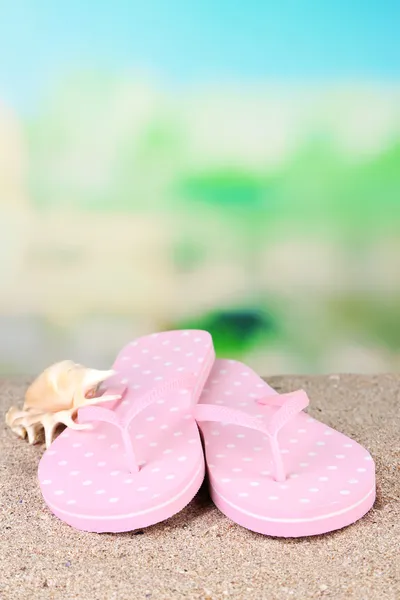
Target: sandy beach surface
(200, 554)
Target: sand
(200, 554)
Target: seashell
(54, 398)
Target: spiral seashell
(54, 397)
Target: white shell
(54, 397)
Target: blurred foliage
(236, 332)
(324, 213)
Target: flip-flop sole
(294, 527)
(134, 520)
(83, 475)
(330, 478)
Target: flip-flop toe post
(141, 461)
(274, 469)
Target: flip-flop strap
(99, 413)
(290, 405)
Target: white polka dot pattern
(325, 470)
(85, 474)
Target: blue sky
(194, 41)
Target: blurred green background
(190, 165)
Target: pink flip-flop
(142, 461)
(272, 468)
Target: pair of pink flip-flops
(271, 467)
